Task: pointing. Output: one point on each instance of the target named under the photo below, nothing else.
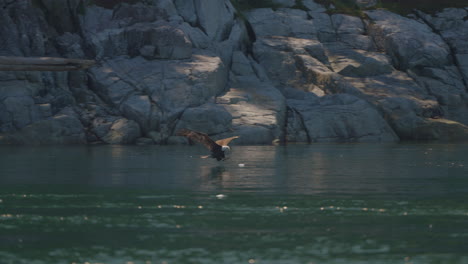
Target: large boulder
(453, 27)
(27, 97)
(403, 103)
(62, 128)
(441, 130)
(186, 9)
(446, 85)
(62, 14)
(283, 22)
(410, 43)
(209, 118)
(351, 31)
(214, 17)
(158, 40)
(257, 108)
(326, 31)
(154, 93)
(357, 63)
(313, 7)
(285, 59)
(337, 118)
(122, 131)
(17, 106)
(24, 31)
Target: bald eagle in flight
(218, 148)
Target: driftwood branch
(43, 64)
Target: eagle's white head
(226, 149)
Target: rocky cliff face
(266, 75)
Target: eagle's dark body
(217, 148)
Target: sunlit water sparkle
(320, 203)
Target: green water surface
(321, 203)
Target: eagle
(218, 148)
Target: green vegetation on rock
(428, 6)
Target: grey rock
(18, 110)
(169, 41)
(176, 140)
(351, 31)
(362, 42)
(285, 3)
(63, 128)
(280, 66)
(283, 22)
(122, 131)
(70, 45)
(258, 110)
(446, 20)
(98, 19)
(292, 44)
(198, 38)
(403, 103)
(238, 40)
(109, 85)
(357, 63)
(339, 118)
(148, 51)
(186, 8)
(440, 129)
(157, 137)
(45, 110)
(215, 17)
(462, 61)
(260, 72)
(410, 43)
(365, 3)
(17, 106)
(208, 118)
(300, 63)
(166, 7)
(138, 108)
(23, 31)
(241, 64)
(154, 92)
(313, 7)
(167, 64)
(62, 15)
(295, 128)
(453, 27)
(346, 24)
(310, 73)
(100, 126)
(324, 27)
(446, 85)
(143, 141)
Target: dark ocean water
(319, 203)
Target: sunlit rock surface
(268, 75)
(338, 118)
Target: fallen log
(8, 63)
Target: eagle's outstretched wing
(225, 141)
(199, 137)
